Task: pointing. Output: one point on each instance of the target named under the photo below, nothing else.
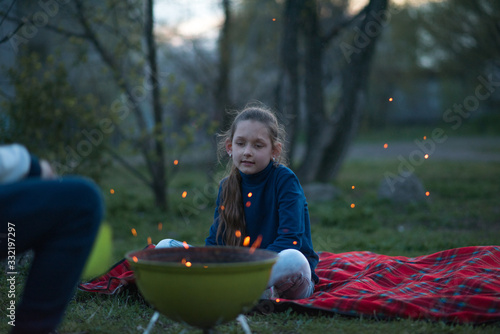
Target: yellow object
(99, 259)
(202, 286)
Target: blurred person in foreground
(57, 218)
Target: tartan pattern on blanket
(457, 285)
(116, 279)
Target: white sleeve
(15, 162)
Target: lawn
(463, 209)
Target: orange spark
(385, 145)
(353, 187)
(425, 137)
(135, 259)
(277, 300)
(111, 191)
(176, 162)
(427, 193)
(188, 264)
(160, 226)
(149, 241)
(294, 242)
(183, 261)
(238, 234)
(256, 244)
(274, 19)
(250, 194)
(184, 194)
(222, 207)
(247, 204)
(134, 232)
(185, 244)
(353, 205)
(390, 99)
(426, 156)
(246, 241)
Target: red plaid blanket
(115, 280)
(458, 285)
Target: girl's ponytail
(231, 214)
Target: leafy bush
(52, 120)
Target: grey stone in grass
(403, 188)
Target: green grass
(463, 209)
(484, 125)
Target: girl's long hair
(231, 213)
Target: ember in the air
(246, 241)
(256, 244)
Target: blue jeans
(290, 277)
(58, 220)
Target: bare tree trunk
(354, 78)
(158, 166)
(288, 92)
(315, 104)
(222, 100)
(330, 137)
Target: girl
(263, 199)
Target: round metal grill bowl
(202, 286)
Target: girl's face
(251, 147)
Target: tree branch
(51, 27)
(91, 36)
(146, 142)
(343, 23)
(128, 166)
(9, 36)
(8, 11)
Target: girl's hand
(47, 172)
